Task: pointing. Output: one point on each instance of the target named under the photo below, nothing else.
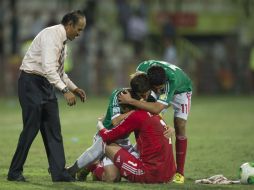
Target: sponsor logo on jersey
(163, 97)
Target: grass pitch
(220, 138)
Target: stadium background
(213, 40)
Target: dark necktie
(61, 61)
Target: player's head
(74, 23)
(140, 85)
(157, 78)
(128, 107)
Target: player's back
(113, 109)
(155, 150)
(176, 76)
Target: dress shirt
(42, 57)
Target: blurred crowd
(122, 33)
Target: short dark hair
(73, 16)
(139, 83)
(156, 75)
(128, 107)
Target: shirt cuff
(71, 85)
(60, 85)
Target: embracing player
(173, 87)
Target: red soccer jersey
(155, 150)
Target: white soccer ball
(247, 173)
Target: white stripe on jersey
(167, 87)
(115, 100)
(132, 169)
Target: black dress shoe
(19, 178)
(64, 177)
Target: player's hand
(99, 125)
(101, 118)
(70, 98)
(124, 97)
(169, 131)
(81, 94)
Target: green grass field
(220, 131)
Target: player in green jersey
(172, 87)
(140, 88)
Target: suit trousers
(40, 113)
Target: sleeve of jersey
(125, 127)
(115, 108)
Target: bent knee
(110, 177)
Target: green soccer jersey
(113, 109)
(177, 81)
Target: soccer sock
(98, 172)
(95, 152)
(181, 148)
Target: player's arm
(120, 118)
(153, 107)
(126, 127)
(115, 111)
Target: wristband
(100, 125)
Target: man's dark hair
(128, 107)
(73, 16)
(139, 83)
(156, 75)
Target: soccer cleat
(82, 174)
(178, 178)
(72, 170)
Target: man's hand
(80, 93)
(124, 98)
(70, 98)
(169, 131)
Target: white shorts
(181, 104)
